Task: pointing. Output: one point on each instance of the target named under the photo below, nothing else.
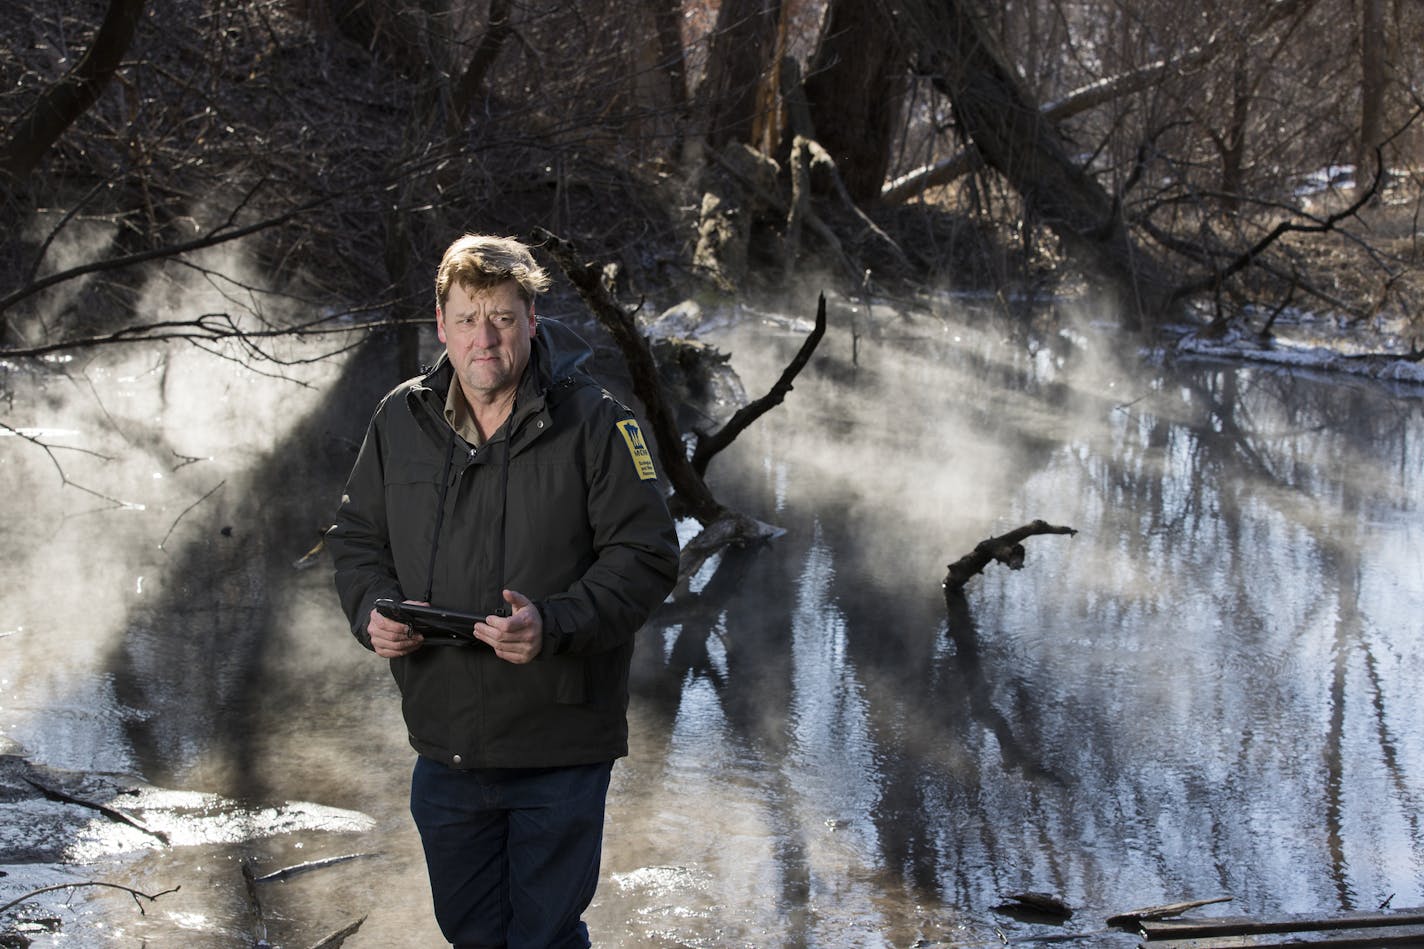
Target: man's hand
(390, 638)
(517, 637)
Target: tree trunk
(472, 80)
(742, 58)
(66, 100)
(1010, 133)
(661, 68)
(1231, 145)
(855, 88)
(1374, 54)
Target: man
(507, 484)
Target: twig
(200, 500)
(208, 327)
(49, 450)
(292, 871)
(340, 936)
(111, 812)
(1249, 256)
(65, 886)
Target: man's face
(487, 334)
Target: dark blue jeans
(513, 853)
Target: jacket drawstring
(504, 499)
(439, 516)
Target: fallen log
(1007, 549)
(1397, 928)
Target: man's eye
(504, 321)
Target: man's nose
(486, 336)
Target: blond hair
(480, 261)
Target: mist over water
(1211, 689)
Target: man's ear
(439, 323)
(533, 321)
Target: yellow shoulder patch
(642, 458)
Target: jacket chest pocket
(412, 495)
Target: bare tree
(65, 100)
(741, 74)
(994, 111)
(855, 88)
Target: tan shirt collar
(457, 413)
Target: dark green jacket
(568, 511)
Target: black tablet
(433, 622)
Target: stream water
(1210, 690)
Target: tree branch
(207, 328)
(481, 60)
(66, 100)
(743, 418)
(49, 450)
(1007, 549)
(1248, 256)
(220, 235)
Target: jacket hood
(557, 352)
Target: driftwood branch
(721, 526)
(1133, 917)
(1399, 928)
(254, 905)
(1007, 549)
(151, 897)
(250, 881)
(710, 445)
(336, 939)
(288, 872)
(55, 794)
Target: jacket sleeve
(635, 549)
(365, 570)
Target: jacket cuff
(359, 626)
(556, 642)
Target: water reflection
(1211, 689)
